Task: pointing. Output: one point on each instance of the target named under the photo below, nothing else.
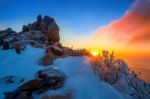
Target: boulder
(5, 45)
(17, 46)
(31, 85)
(50, 78)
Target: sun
(94, 53)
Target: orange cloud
(132, 28)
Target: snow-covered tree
(117, 73)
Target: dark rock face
(34, 38)
(5, 45)
(56, 50)
(25, 28)
(7, 37)
(46, 25)
(50, 78)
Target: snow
(24, 65)
(82, 80)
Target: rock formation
(46, 25)
(42, 33)
(50, 78)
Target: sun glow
(95, 53)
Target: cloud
(132, 28)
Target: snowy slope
(23, 65)
(82, 80)
(80, 76)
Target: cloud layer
(132, 28)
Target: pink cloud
(133, 27)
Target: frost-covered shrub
(116, 72)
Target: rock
(48, 20)
(24, 95)
(1, 41)
(7, 32)
(53, 33)
(47, 26)
(5, 45)
(7, 37)
(48, 58)
(17, 46)
(56, 50)
(39, 19)
(25, 28)
(38, 25)
(41, 33)
(24, 90)
(51, 29)
(52, 78)
(32, 85)
(11, 95)
(17, 95)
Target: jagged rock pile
(46, 25)
(41, 33)
(47, 79)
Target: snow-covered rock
(80, 78)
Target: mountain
(34, 64)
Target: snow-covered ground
(81, 79)
(23, 65)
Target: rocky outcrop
(34, 38)
(50, 78)
(7, 37)
(46, 25)
(41, 33)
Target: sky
(105, 24)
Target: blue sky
(76, 18)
